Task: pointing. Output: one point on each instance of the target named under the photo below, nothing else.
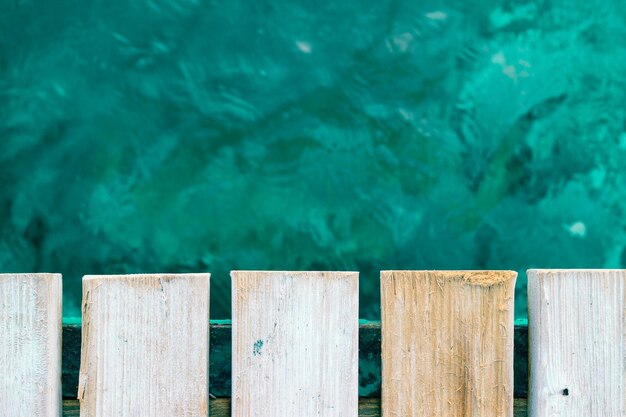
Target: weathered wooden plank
(220, 407)
(447, 343)
(220, 368)
(145, 346)
(577, 342)
(295, 344)
(30, 345)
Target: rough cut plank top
(447, 347)
(577, 343)
(295, 344)
(145, 346)
(30, 345)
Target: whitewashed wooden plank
(295, 344)
(447, 343)
(30, 345)
(577, 343)
(145, 346)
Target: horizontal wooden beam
(220, 407)
(220, 354)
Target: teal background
(190, 135)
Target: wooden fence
(447, 345)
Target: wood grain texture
(447, 343)
(220, 407)
(145, 346)
(30, 345)
(295, 344)
(576, 343)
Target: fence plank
(30, 345)
(295, 344)
(577, 342)
(447, 347)
(145, 346)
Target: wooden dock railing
(447, 346)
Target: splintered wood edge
(130, 277)
(571, 272)
(28, 274)
(595, 270)
(483, 278)
(91, 282)
(36, 275)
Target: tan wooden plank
(220, 407)
(295, 344)
(577, 343)
(30, 345)
(447, 343)
(145, 346)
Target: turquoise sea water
(190, 135)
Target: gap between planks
(220, 407)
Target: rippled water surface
(189, 135)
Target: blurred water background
(191, 135)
